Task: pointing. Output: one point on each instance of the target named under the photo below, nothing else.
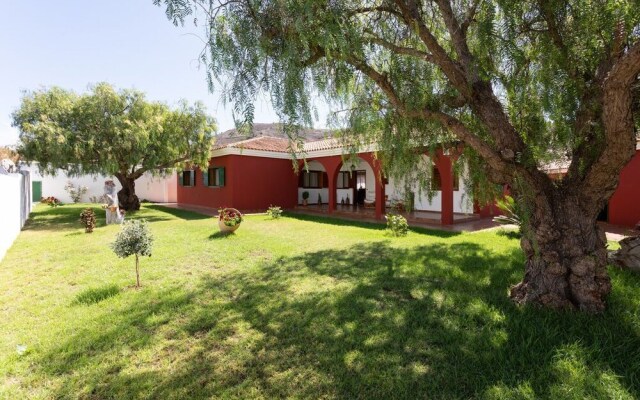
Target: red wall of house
(202, 195)
(251, 184)
(259, 182)
(624, 205)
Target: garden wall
(15, 206)
(155, 189)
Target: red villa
(252, 174)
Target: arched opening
(313, 184)
(355, 184)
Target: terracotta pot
(226, 228)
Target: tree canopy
(111, 132)
(519, 83)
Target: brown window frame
(318, 175)
(188, 180)
(212, 176)
(344, 176)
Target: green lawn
(296, 307)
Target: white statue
(114, 215)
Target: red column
(332, 192)
(331, 165)
(380, 200)
(377, 171)
(445, 167)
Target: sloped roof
(325, 144)
(264, 143)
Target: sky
(128, 43)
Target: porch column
(332, 191)
(332, 166)
(445, 167)
(374, 163)
(380, 200)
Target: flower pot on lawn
(229, 219)
(227, 229)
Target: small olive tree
(133, 239)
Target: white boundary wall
(15, 205)
(155, 189)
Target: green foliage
(88, 219)
(510, 212)
(133, 239)
(305, 195)
(110, 132)
(539, 58)
(274, 212)
(397, 225)
(75, 192)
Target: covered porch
(356, 188)
(351, 212)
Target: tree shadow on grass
(96, 295)
(368, 225)
(370, 321)
(221, 235)
(182, 214)
(67, 217)
(61, 218)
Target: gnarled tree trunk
(127, 195)
(566, 256)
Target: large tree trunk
(566, 256)
(127, 195)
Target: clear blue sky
(129, 43)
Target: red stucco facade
(251, 184)
(254, 183)
(624, 205)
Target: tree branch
(470, 16)
(618, 123)
(408, 51)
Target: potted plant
(305, 198)
(319, 199)
(229, 219)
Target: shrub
(274, 211)
(51, 201)
(88, 219)
(133, 239)
(511, 212)
(75, 192)
(305, 195)
(397, 225)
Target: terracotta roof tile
(324, 144)
(263, 143)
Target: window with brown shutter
(311, 179)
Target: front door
(36, 191)
(360, 187)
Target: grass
(300, 307)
